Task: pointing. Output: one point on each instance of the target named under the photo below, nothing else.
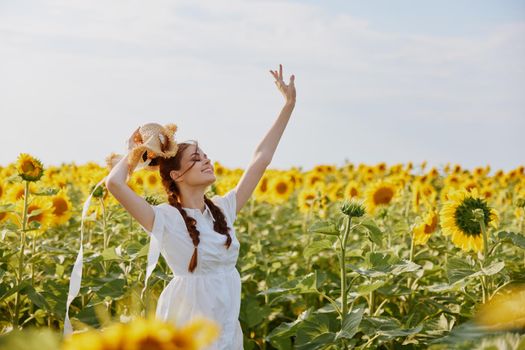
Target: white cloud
(121, 63)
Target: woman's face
(196, 168)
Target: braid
(191, 223)
(220, 225)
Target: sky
(377, 81)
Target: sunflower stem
(487, 279)
(347, 222)
(32, 270)
(371, 298)
(21, 259)
(485, 240)
(411, 257)
(105, 242)
(305, 223)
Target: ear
(174, 174)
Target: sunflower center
(281, 187)
(353, 192)
(28, 167)
(465, 219)
(264, 185)
(20, 194)
(314, 179)
(152, 180)
(60, 206)
(383, 195)
(432, 227)
(150, 343)
(2, 216)
(181, 342)
(37, 217)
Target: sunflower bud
(99, 191)
(29, 168)
(153, 200)
(353, 208)
(478, 214)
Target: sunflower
(280, 189)
(434, 173)
(334, 190)
(152, 180)
(458, 220)
(487, 192)
(504, 311)
(422, 193)
(89, 340)
(4, 216)
(218, 169)
(262, 189)
(15, 192)
(152, 334)
(29, 168)
(453, 180)
(62, 208)
(424, 230)
(380, 194)
(352, 189)
(479, 172)
(143, 333)
(306, 199)
(296, 178)
(39, 213)
(59, 180)
(136, 184)
(200, 330)
(470, 184)
(312, 178)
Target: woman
(195, 234)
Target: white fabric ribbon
(154, 246)
(76, 274)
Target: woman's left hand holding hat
(133, 140)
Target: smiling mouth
(208, 171)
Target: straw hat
(150, 141)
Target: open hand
(287, 90)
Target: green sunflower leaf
(324, 227)
(458, 269)
(374, 232)
(516, 239)
(351, 323)
(316, 247)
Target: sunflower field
(357, 256)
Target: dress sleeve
(158, 222)
(228, 204)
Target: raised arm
(116, 183)
(265, 150)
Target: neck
(193, 198)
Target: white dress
(213, 290)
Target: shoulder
(228, 203)
(171, 213)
